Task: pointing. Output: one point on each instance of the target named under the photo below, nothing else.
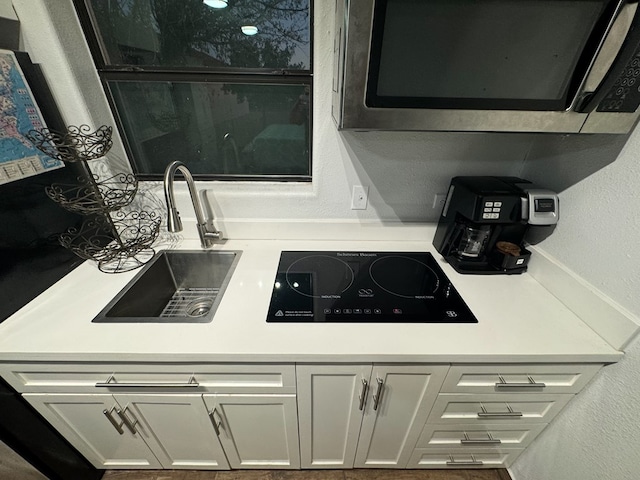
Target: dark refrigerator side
(31, 260)
(22, 429)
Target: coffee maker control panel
(496, 209)
(491, 210)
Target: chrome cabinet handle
(480, 441)
(112, 383)
(472, 462)
(125, 419)
(216, 424)
(116, 425)
(530, 384)
(508, 413)
(363, 394)
(377, 397)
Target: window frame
(254, 76)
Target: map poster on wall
(19, 114)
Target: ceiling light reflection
(216, 3)
(249, 29)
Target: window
(222, 85)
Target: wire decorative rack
(117, 239)
(77, 144)
(112, 193)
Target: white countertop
(518, 321)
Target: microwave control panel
(624, 96)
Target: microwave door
(611, 93)
(608, 46)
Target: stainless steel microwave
(565, 66)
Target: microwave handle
(584, 101)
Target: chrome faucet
(206, 229)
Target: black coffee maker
(484, 221)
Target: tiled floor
(488, 474)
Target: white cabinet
(363, 415)
(252, 416)
(91, 424)
(257, 431)
(135, 431)
(181, 434)
(331, 399)
(492, 408)
(485, 415)
(155, 416)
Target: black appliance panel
(29, 435)
(364, 287)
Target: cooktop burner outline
(422, 294)
(322, 282)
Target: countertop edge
(62, 357)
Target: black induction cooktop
(364, 287)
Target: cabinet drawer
(478, 436)
(492, 408)
(105, 378)
(563, 378)
(463, 458)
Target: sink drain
(190, 302)
(199, 307)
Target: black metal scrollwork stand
(117, 239)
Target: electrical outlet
(359, 197)
(438, 201)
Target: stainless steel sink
(176, 286)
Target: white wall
(597, 436)
(403, 170)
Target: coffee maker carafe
(484, 221)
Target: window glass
(222, 85)
(216, 128)
(272, 34)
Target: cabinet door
(401, 398)
(257, 431)
(92, 425)
(330, 403)
(181, 433)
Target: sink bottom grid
(190, 302)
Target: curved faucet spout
(206, 230)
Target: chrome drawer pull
(363, 394)
(480, 441)
(116, 425)
(130, 425)
(530, 384)
(112, 383)
(509, 413)
(377, 397)
(466, 463)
